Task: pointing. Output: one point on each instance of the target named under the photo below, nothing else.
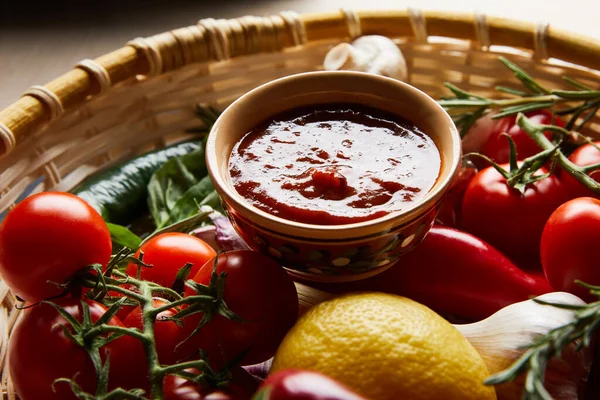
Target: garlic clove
(339, 57)
(372, 54)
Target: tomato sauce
(335, 164)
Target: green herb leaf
(123, 236)
(188, 203)
(170, 182)
(577, 94)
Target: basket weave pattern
(142, 96)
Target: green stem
(536, 132)
(200, 365)
(185, 300)
(527, 100)
(103, 329)
(148, 318)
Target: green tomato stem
(148, 318)
(536, 132)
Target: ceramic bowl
(329, 253)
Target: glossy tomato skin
(497, 148)
(508, 220)
(39, 353)
(48, 237)
(569, 247)
(168, 253)
(241, 387)
(293, 384)
(258, 290)
(166, 332)
(582, 156)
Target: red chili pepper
(455, 274)
(303, 385)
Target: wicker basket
(142, 96)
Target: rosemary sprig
(534, 362)
(466, 107)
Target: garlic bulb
(501, 338)
(373, 54)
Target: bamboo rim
(220, 39)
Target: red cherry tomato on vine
(168, 253)
(258, 290)
(241, 387)
(497, 148)
(508, 220)
(569, 247)
(40, 353)
(166, 332)
(582, 156)
(47, 238)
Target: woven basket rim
(41, 104)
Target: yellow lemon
(385, 347)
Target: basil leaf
(188, 203)
(123, 236)
(170, 183)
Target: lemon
(385, 347)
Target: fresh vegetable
(481, 130)
(554, 348)
(145, 293)
(581, 105)
(166, 331)
(224, 235)
(293, 384)
(120, 193)
(41, 351)
(587, 155)
(372, 53)
(454, 273)
(510, 220)
(505, 336)
(45, 239)
(167, 253)
(496, 146)
(178, 188)
(241, 387)
(569, 247)
(385, 347)
(260, 293)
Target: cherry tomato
(258, 290)
(508, 220)
(166, 332)
(241, 387)
(569, 247)
(481, 130)
(47, 238)
(168, 253)
(40, 353)
(497, 148)
(582, 156)
(293, 384)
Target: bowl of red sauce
(335, 174)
